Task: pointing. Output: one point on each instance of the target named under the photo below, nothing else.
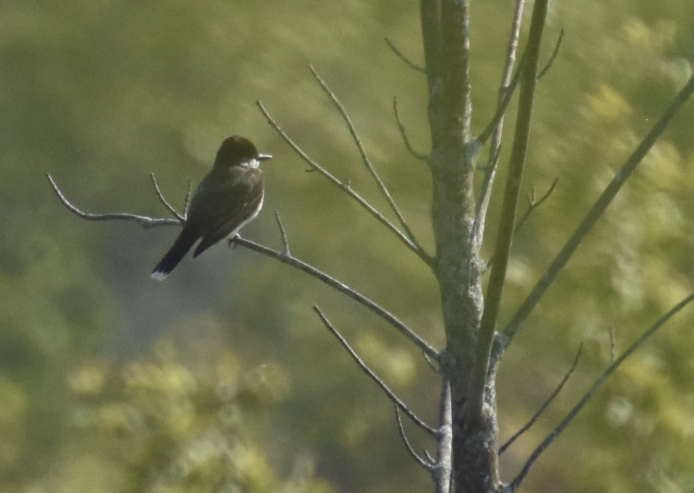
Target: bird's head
(239, 151)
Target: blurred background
(222, 378)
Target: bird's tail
(183, 243)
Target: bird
(228, 198)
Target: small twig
(444, 451)
(434, 365)
(346, 188)
(144, 221)
(389, 393)
(511, 487)
(402, 57)
(186, 200)
(343, 288)
(165, 202)
(364, 156)
(553, 57)
(544, 406)
(283, 232)
(534, 204)
(148, 222)
(507, 95)
(508, 83)
(425, 464)
(403, 133)
(596, 212)
(613, 345)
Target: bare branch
(424, 463)
(389, 393)
(513, 486)
(403, 133)
(596, 212)
(186, 200)
(346, 188)
(144, 221)
(534, 204)
(402, 57)
(544, 406)
(285, 241)
(165, 202)
(285, 257)
(553, 57)
(444, 465)
(364, 156)
(495, 129)
(502, 250)
(343, 288)
(613, 345)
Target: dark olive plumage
(230, 196)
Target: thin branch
(613, 345)
(285, 257)
(399, 54)
(553, 57)
(444, 452)
(511, 487)
(596, 212)
(544, 406)
(186, 200)
(495, 128)
(364, 156)
(162, 199)
(434, 365)
(343, 288)
(403, 133)
(424, 463)
(144, 221)
(389, 393)
(505, 100)
(283, 233)
(346, 188)
(478, 381)
(534, 204)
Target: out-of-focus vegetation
(252, 392)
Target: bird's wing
(224, 208)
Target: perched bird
(229, 197)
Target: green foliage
(159, 424)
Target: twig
(613, 345)
(144, 221)
(162, 199)
(343, 288)
(389, 393)
(544, 406)
(286, 257)
(550, 62)
(596, 212)
(346, 188)
(534, 204)
(186, 200)
(283, 233)
(511, 487)
(506, 96)
(444, 452)
(508, 85)
(502, 250)
(424, 463)
(403, 133)
(402, 57)
(364, 156)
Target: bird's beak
(263, 157)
